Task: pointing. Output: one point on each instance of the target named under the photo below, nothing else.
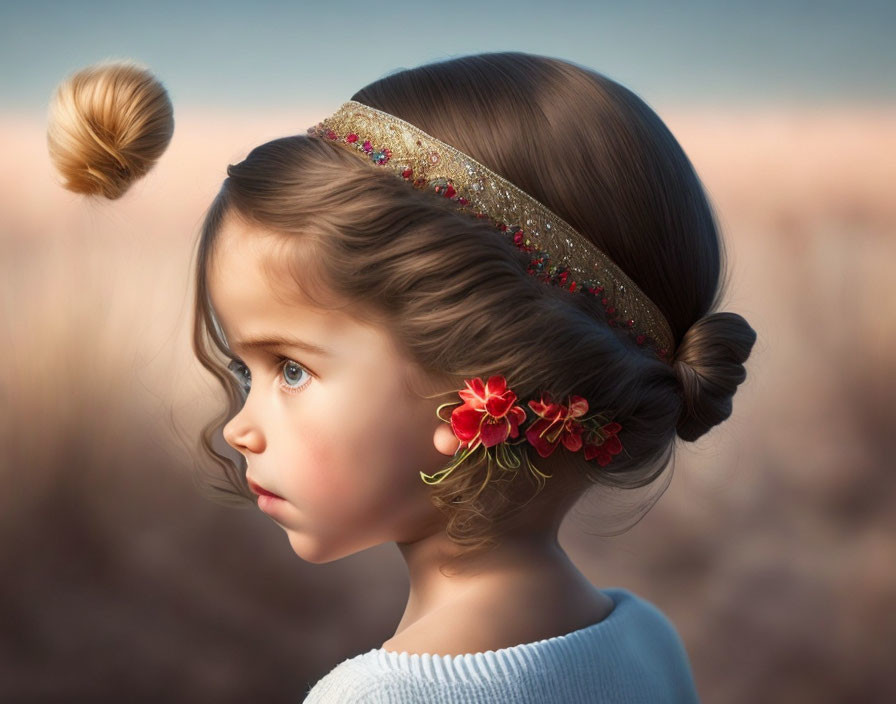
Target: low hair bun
(107, 126)
(709, 366)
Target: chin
(319, 553)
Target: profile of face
(335, 432)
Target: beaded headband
(430, 164)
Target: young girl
(479, 286)
(477, 289)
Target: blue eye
(292, 373)
(242, 374)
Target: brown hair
(456, 295)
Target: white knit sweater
(633, 655)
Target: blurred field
(772, 550)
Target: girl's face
(334, 432)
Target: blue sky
(265, 54)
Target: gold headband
(428, 163)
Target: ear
(445, 440)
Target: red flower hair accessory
(557, 424)
(488, 415)
(488, 419)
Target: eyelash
(237, 367)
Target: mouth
(256, 489)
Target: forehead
(246, 289)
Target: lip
(269, 503)
(261, 491)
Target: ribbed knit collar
(504, 661)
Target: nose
(243, 435)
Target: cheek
(357, 466)
(334, 466)
(318, 467)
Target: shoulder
(633, 655)
(649, 653)
(637, 614)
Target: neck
(432, 589)
(529, 553)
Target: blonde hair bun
(107, 126)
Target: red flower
(556, 423)
(608, 446)
(488, 415)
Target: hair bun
(709, 366)
(108, 125)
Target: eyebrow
(278, 341)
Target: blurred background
(773, 548)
